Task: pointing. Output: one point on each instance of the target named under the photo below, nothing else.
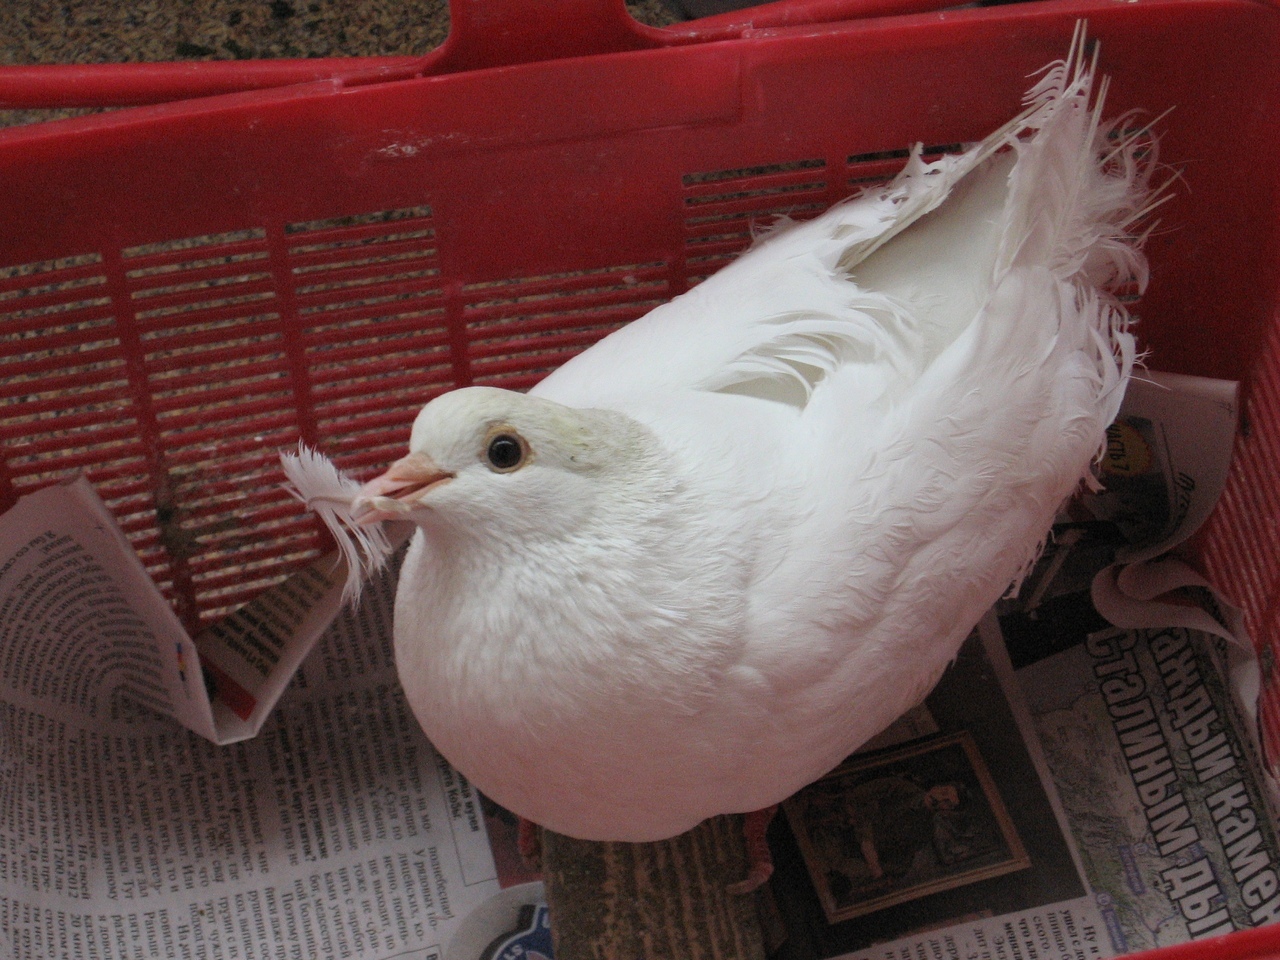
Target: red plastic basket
(188, 287)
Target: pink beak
(392, 495)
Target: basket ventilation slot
(65, 402)
(207, 314)
(173, 373)
(370, 303)
(725, 209)
(519, 330)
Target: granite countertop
(108, 31)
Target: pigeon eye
(505, 453)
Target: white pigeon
(701, 563)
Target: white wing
(784, 311)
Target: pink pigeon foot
(759, 860)
(529, 843)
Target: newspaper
(72, 588)
(294, 809)
(337, 831)
(1134, 690)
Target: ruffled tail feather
(1080, 198)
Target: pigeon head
(481, 455)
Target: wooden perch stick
(652, 901)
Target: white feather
(335, 498)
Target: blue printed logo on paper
(531, 939)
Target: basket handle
(496, 33)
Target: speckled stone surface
(111, 31)
(116, 31)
